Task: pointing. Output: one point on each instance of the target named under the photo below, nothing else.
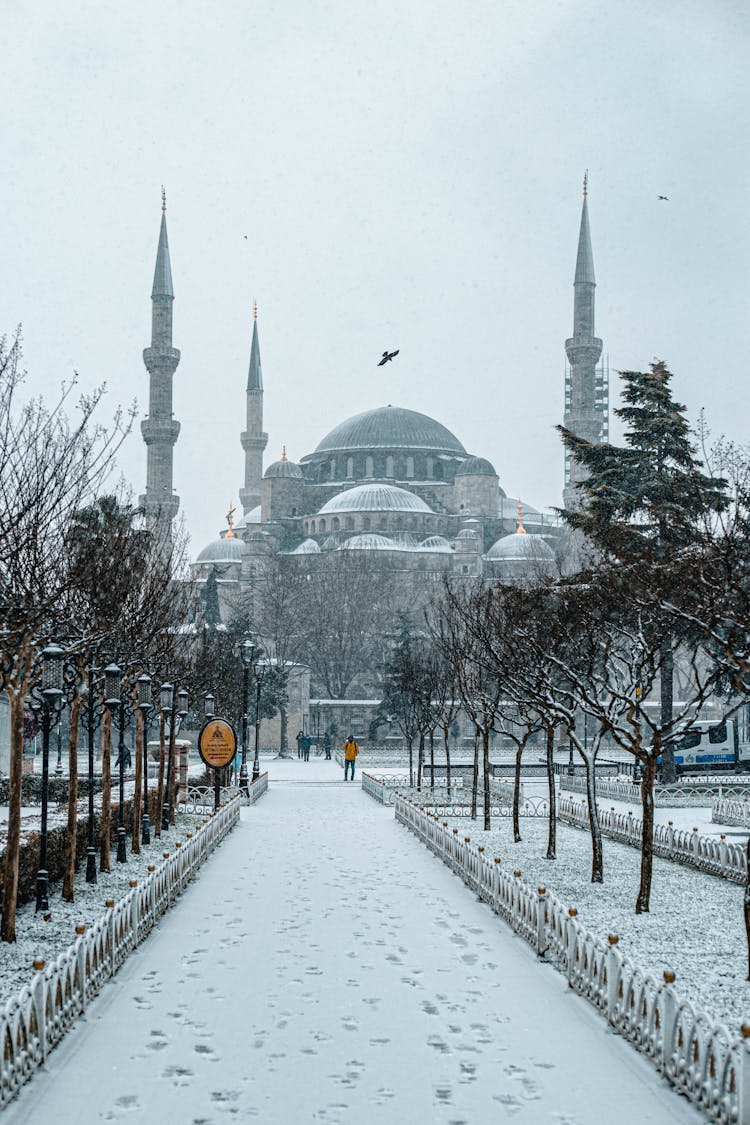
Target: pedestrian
(327, 746)
(299, 738)
(351, 749)
(306, 740)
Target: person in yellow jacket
(351, 749)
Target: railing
(256, 789)
(382, 788)
(715, 857)
(733, 812)
(697, 1055)
(36, 1018)
(695, 793)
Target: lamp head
(112, 685)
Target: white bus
(710, 745)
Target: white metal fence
(727, 811)
(706, 853)
(36, 1018)
(201, 799)
(697, 792)
(700, 1057)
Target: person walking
(298, 740)
(351, 749)
(327, 746)
(306, 740)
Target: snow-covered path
(325, 967)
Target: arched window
(389, 467)
(294, 511)
(365, 523)
(410, 466)
(333, 468)
(321, 526)
(335, 523)
(349, 523)
(438, 468)
(430, 468)
(369, 467)
(349, 467)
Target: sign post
(217, 746)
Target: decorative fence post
(110, 905)
(669, 1018)
(541, 922)
(570, 945)
(743, 1092)
(81, 962)
(38, 991)
(614, 962)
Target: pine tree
(645, 501)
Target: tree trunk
(446, 741)
(643, 901)
(420, 759)
(106, 789)
(475, 776)
(135, 845)
(668, 769)
(69, 878)
(517, 795)
(15, 799)
(746, 906)
(283, 731)
(160, 784)
(486, 777)
(552, 834)
(411, 763)
(432, 758)
(597, 854)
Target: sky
(376, 175)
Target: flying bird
(245, 237)
(666, 197)
(387, 357)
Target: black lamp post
(258, 684)
(52, 689)
(247, 652)
(143, 696)
(90, 716)
(173, 704)
(114, 698)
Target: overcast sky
(408, 175)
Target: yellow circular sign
(217, 743)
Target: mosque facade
(389, 483)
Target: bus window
(718, 733)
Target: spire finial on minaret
(520, 530)
(163, 200)
(255, 310)
(586, 183)
(230, 521)
(283, 453)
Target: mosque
(389, 483)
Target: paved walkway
(325, 967)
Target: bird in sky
(245, 237)
(387, 357)
(665, 197)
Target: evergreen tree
(647, 500)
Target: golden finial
(230, 520)
(283, 453)
(255, 310)
(163, 200)
(520, 530)
(586, 184)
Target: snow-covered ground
(325, 967)
(37, 938)
(695, 926)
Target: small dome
(390, 427)
(252, 517)
(370, 542)
(374, 498)
(435, 543)
(331, 543)
(283, 468)
(257, 537)
(476, 467)
(509, 510)
(226, 550)
(467, 533)
(307, 547)
(520, 547)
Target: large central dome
(390, 427)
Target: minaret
(585, 412)
(254, 441)
(159, 428)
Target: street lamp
(173, 704)
(143, 697)
(52, 689)
(248, 650)
(209, 705)
(115, 699)
(258, 684)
